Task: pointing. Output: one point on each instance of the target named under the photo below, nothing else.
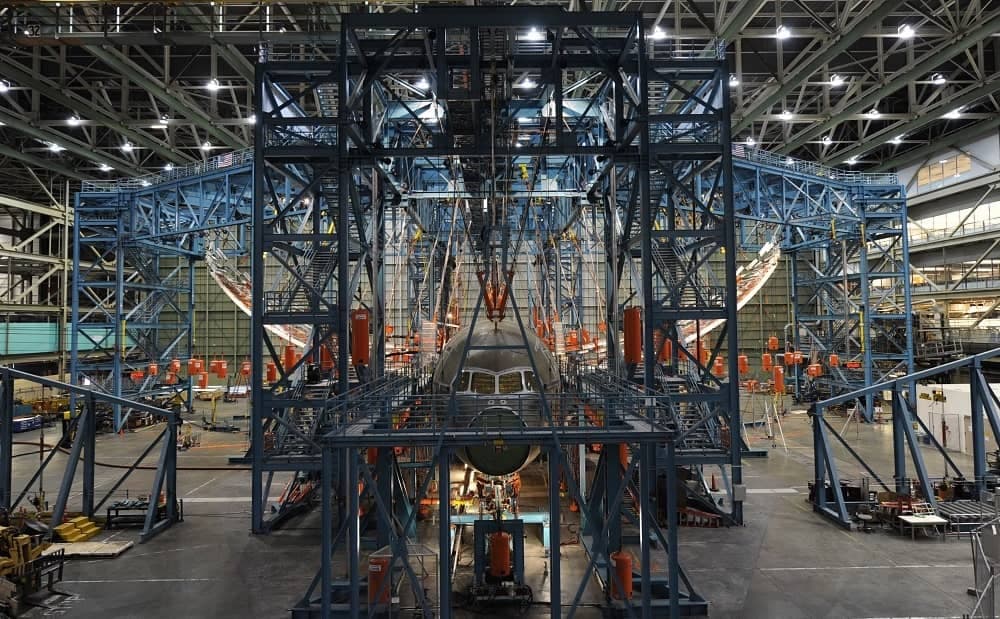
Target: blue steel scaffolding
(504, 157)
(846, 240)
(135, 246)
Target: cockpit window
(483, 383)
(463, 382)
(529, 381)
(510, 382)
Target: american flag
(226, 160)
(739, 151)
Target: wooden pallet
(91, 550)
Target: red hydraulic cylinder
(633, 335)
(360, 350)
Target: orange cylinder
(765, 362)
(213, 366)
(378, 572)
(137, 375)
(703, 353)
(772, 343)
(663, 345)
(288, 358)
(245, 368)
(499, 554)
(798, 358)
(584, 337)
(361, 353)
(789, 358)
(621, 563)
(192, 366)
(744, 364)
(153, 370)
(272, 372)
(171, 378)
(203, 380)
(222, 368)
(814, 370)
(720, 367)
(175, 365)
(372, 455)
(779, 379)
(752, 386)
(633, 335)
(572, 340)
(834, 360)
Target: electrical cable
(125, 466)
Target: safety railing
(234, 159)
(919, 236)
(759, 155)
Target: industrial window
(939, 171)
(510, 382)
(463, 382)
(483, 383)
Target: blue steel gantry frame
(845, 236)
(135, 246)
(985, 405)
(461, 117)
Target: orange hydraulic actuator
(778, 379)
(798, 357)
(633, 335)
(772, 343)
(789, 358)
(203, 380)
(834, 360)
(194, 366)
(500, 554)
(222, 368)
(621, 563)
(245, 369)
(720, 367)
(379, 591)
(814, 369)
(703, 353)
(663, 345)
(744, 364)
(766, 362)
(175, 366)
(153, 369)
(361, 353)
(272, 372)
(288, 358)
(171, 378)
(136, 376)
(325, 358)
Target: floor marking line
(190, 492)
(142, 580)
(861, 567)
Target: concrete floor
(787, 562)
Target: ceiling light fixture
(658, 34)
(73, 120)
(851, 161)
(4, 86)
(105, 167)
(734, 81)
(168, 168)
(897, 140)
(535, 35)
(423, 84)
(527, 83)
(55, 147)
(127, 147)
(206, 146)
(213, 84)
(836, 80)
(252, 119)
(751, 141)
(874, 113)
(827, 139)
(938, 80)
(782, 32)
(785, 115)
(905, 31)
(955, 113)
